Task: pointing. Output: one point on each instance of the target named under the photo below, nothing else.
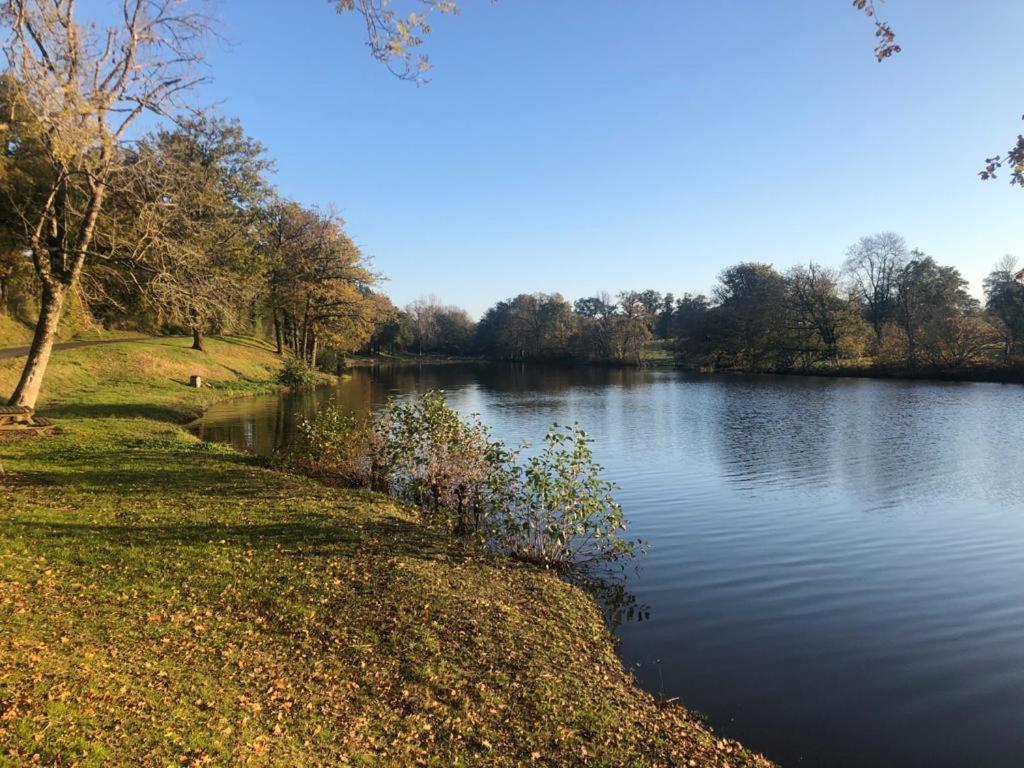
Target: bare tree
(84, 88)
(874, 264)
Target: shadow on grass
(244, 341)
(120, 411)
(316, 535)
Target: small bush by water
(296, 373)
(553, 508)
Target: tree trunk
(27, 391)
(312, 351)
(197, 340)
(277, 334)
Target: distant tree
(537, 326)
(440, 328)
(319, 283)
(557, 325)
(824, 320)
(636, 322)
(663, 325)
(959, 341)
(597, 339)
(651, 301)
(393, 330)
(488, 330)
(455, 331)
(928, 296)
(692, 330)
(423, 313)
(1004, 301)
(873, 265)
(751, 316)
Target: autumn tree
(597, 339)
(1004, 301)
(928, 297)
(393, 330)
(636, 323)
(750, 315)
(824, 320)
(200, 191)
(394, 38)
(692, 329)
(319, 284)
(83, 88)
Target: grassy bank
(149, 378)
(168, 602)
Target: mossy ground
(165, 601)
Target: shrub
(445, 464)
(563, 512)
(296, 373)
(334, 446)
(555, 509)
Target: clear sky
(587, 145)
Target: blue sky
(587, 145)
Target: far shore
(990, 374)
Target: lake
(836, 566)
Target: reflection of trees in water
(551, 379)
(617, 604)
(777, 431)
(883, 440)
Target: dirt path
(10, 352)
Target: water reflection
(836, 573)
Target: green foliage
(330, 446)
(296, 372)
(554, 508)
(445, 464)
(563, 512)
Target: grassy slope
(148, 378)
(13, 333)
(165, 601)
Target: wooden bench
(15, 416)
(15, 419)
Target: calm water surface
(836, 573)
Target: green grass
(149, 378)
(658, 352)
(13, 333)
(165, 601)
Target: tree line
(886, 306)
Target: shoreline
(994, 375)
